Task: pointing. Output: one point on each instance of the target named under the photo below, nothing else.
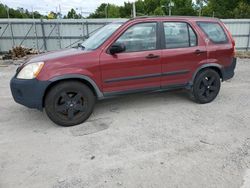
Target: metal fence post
(43, 33)
(87, 29)
(35, 31)
(82, 29)
(248, 42)
(59, 34)
(12, 35)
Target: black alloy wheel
(206, 86)
(69, 103)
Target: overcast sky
(44, 6)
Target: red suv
(139, 55)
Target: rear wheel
(69, 103)
(206, 86)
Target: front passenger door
(139, 66)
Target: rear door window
(214, 31)
(179, 35)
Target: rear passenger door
(183, 50)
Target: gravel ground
(145, 140)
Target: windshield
(100, 36)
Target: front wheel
(206, 86)
(69, 103)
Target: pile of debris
(19, 52)
(243, 54)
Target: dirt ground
(155, 140)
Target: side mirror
(79, 45)
(117, 48)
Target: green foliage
(52, 15)
(18, 13)
(145, 7)
(126, 10)
(151, 6)
(73, 15)
(242, 10)
(218, 8)
(227, 9)
(159, 12)
(140, 7)
(100, 12)
(184, 8)
(113, 11)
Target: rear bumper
(29, 92)
(228, 72)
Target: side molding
(82, 77)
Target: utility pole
(200, 5)
(106, 10)
(170, 5)
(8, 13)
(134, 10)
(60, 11)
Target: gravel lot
(145, 140)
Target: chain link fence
(48, 35)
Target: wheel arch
(81, 78)
(214, 66)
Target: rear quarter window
(214, 31)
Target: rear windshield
(214, 31)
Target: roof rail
(139, 17)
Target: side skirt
(143, 90)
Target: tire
(206, 86)
(69, 103)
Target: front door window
(139, 37)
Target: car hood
(56, 55)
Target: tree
(17, 13)
(183, 8)
(218, 8)
(99, 12)
(73, 15)
(159, 12)
(140, 7)
(113, 11)
(242, 10)
(151, 6)
(126, 10)
(227, 9)
(109, 10)
(52, 15)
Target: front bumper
(228, 72)
(28, 92)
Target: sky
(44, 6)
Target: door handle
(198, 52)
(152, 56)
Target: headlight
(30, 71)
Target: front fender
(81, 77)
